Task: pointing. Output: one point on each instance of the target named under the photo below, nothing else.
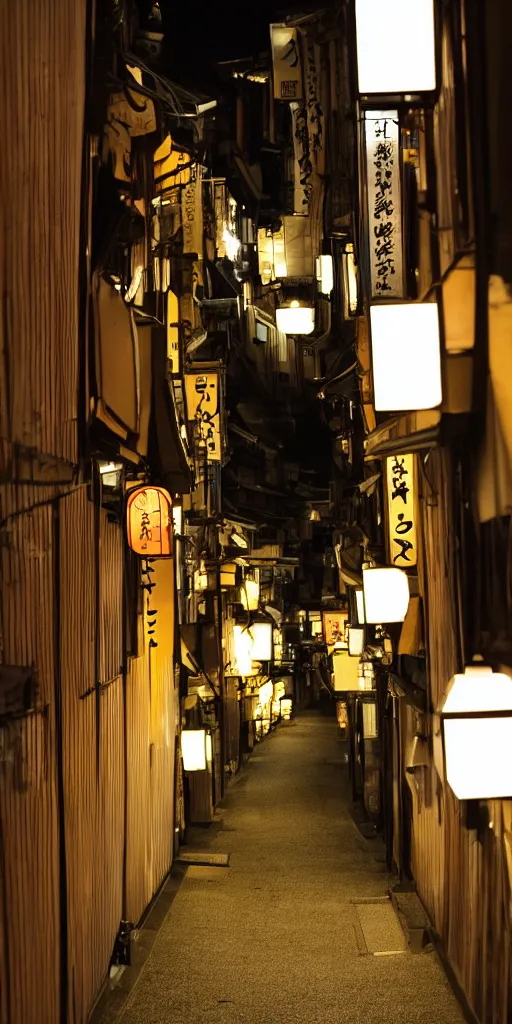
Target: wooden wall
(101, 728)
(462, 876)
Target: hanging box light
(193, 750)
(395, 47)
(261, 641)
(295, 319)
(406, 356)
(386, 594)
(355, 641)
(477, 725)
(228, 574)
(360, 605)
(149, 522)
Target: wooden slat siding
(150, 737)
(28, 787)
(111, 598)
(42, 52)
(94, 801)
(162, 725)
(463, 881)
(138, 816)
(109, 894)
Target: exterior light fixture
(231, 244)
(355, 641)
(386, 594)
(209, 748)
(243, 650)
(477, 724)
(193, 750)
(261, 641)
(295, 319)
(286, 708)
(406, 356)
(324, 274)
(350, 282)
(177, 519)
(404, 30)
(110, 473)
(265, 694)
(228, 574)
(149, 522)
(238, 539)
(250, 595)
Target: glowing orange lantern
(149, 522)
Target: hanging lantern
(243, 650)
(406, 356)
(386, 594)
(149, 522)
(265, 694)
(405, 29)
(194, 750)
(477, 725)
(295, 319)
(355, 641)
(286, 708)
(262, 641)
(228, 574)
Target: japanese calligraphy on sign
(402, 511)
(287, 65)
(149, 522)
(203, 409)
(384, 203)
(192, 213)
(150, 613)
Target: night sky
(210, 32)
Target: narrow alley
(255, 512)
(298, 927)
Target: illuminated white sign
(395, 46)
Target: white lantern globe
(477, 726)
(386, 594)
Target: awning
(413, 432)
(170, 451)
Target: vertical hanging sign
(402, 511)
(286, 63)
(203, 408)
(192, 213)
(384, 204)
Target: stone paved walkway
(277, 938)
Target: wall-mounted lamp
(406, 356)
(355, 641)
(194, 750)
(477, 725)
(404, 29)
